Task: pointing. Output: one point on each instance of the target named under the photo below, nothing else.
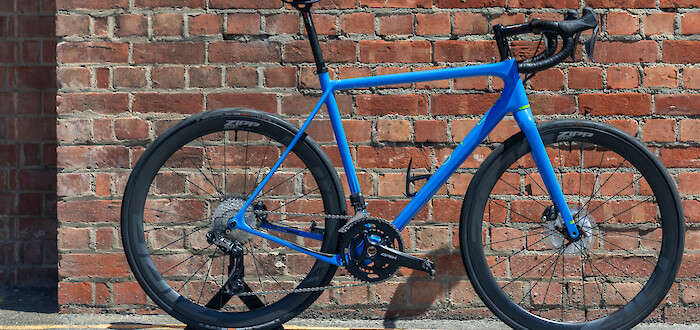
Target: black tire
(185, 176)
(524, 269)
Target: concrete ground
(35, 309)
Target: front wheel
(196, 177)
(517, 251)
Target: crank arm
(395, 257)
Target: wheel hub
(226, 210)
(558, 235)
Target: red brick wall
(28, 254)
(128, 69)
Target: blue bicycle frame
(513, 100)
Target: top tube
(506, 70)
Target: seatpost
(305, 10)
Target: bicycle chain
(311, 289)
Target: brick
(401, 51)
(691, 78)
(74, 184)
(680, 157)
(282, 24)
(281, 77)
(508, 19)
(690, 130)
(102, 103)
(73, 130)
(129, 293)
(689, 183)
(130, 25)
(658, 23)
(168, 102)
(660, 130)
(74, 293)
(470, 23)
(476, 83)
(464, 51)
(168, 77)
(102, 184)
(73, 77)
(103, 265)
(92, 52)
(585, 78)
(550, 79)
(102, 77)
(259, 101)
(622, 77)
(390, 157)
(396, 3)
(93, 5)
(326, 24)
(378, 105)
(661, 76)
(333, 51)
(72, 25)
(205, 24)
(241, 77)
(131, 129)
(130, 77)
(622, 23)
(169, 52)
(73, 238)
(626, 52)
(205, 77)
(170, 3)
(243, 23)
(233, 52)
(621, 3)
(246, 4)
(101, 27)
(677, 4)
(357, 23)
(543, 4)
(430, 131)
(689, 23)
(630, 126)
(394, 130)
(469, 3)
(396, 25)
(168, 24)
(461, 104)
(93, 157)
(677, 104)
(615, 104)
(680, 51)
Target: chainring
(358, 256)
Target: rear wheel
(518, 254)
(193, 179)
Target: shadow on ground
(37, 300)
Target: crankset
(373, 250)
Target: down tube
(458, 156)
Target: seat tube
(339, 132)
(523, 117)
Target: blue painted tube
(238, 218)
(339, 133)
(527, 124)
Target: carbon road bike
(236, 218)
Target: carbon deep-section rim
(190, 181)
(523, 265)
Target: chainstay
(317, 288)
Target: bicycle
(604, 230)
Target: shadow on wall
(28, 223)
